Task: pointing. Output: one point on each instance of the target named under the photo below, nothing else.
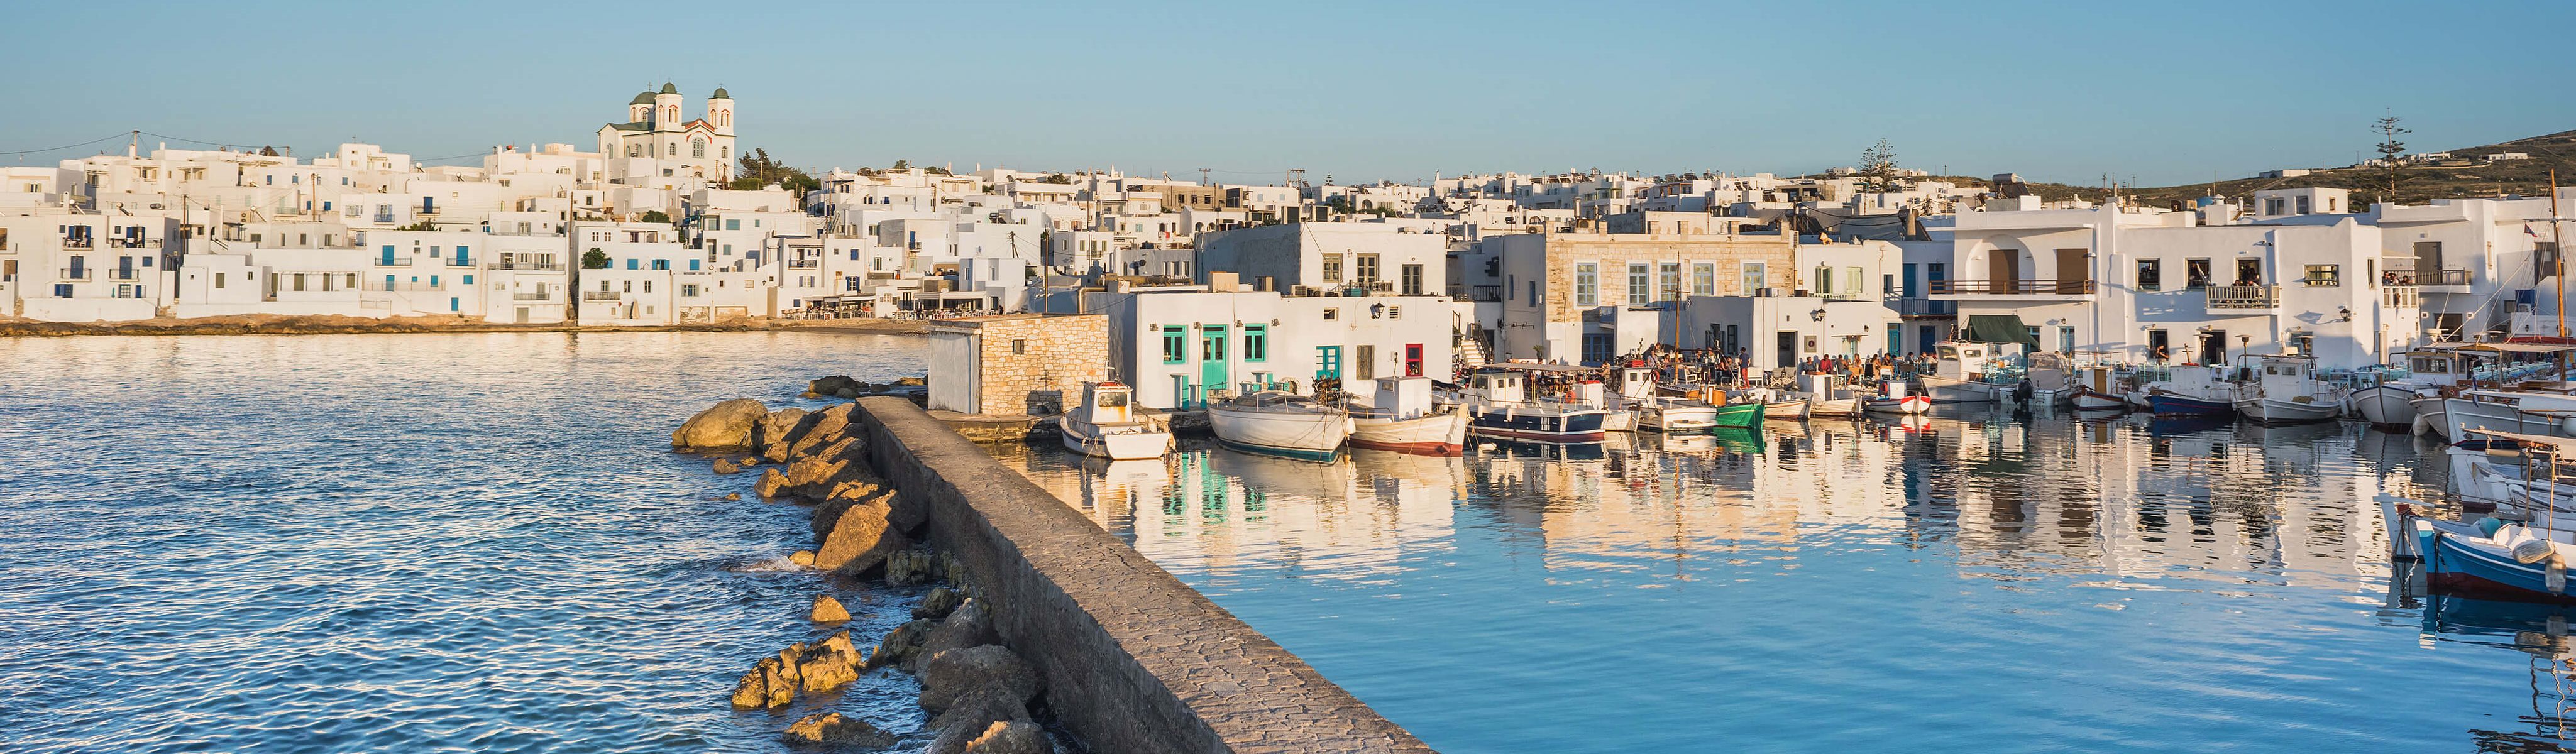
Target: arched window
(675, 150)
(724, 153)
(697, 148)
(634, 150)
(671, 113)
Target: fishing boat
(2288, 391)
(1892, 398)
(2191, 389)
(1401, 416)
(2411, 398)
(1744, 415)
(1499, 406)
(2051, 380)
(1278, 422)
(1638, 396)
(2518, 473)
(1787, 406)
(2097, 388)
(1106, 426)
(1962, 372)
(1829, 396)
(2498, 559)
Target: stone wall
(1033, 364)
(1135, 661)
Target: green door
(1212, 365)
(1328, 362)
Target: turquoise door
(1212, 365)
(1328, 362)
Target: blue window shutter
(469, 280)
(693, 265)
(463, 255)
(433, 281)
(451, 303)
(630, 264)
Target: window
(1331, 314)
(1412, 280)
(2195, 273)
(1175, 341)
(1368, 268)
(2303, 205)
(1703, 279)
(661, 264)
(1753, 277)
(2151, 274)
(688, 291)
(1256, 342)
(1668, 279)
(1638, 293)
(1019, 346)
(1412, 359)
(2320, 275)
(219, 283)
(469, 279)
(2249, 272)
(733, 225)
(1213, 349)
(697, 148)
(1587, 284)
(1364, 361)
(1824, 281)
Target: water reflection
(2096, 583)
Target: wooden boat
(1499, 406)
(2287, 391)
(1744, 415)
(1892, 398)
(1959, 374)
(1106, 426)
(1280, 423)
(1401, 417)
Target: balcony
(804, 264)
(76, 242)
(533, 296)
(2438, 281)
(2244, 299)
(403, 261)
(1912, 308)
(2061, 290)
(528, 266)
(601, 296)
(77, 273)
(460, 262)
(384, 218)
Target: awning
(2000, 328)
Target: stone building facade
(1016, 363)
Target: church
(701, 148)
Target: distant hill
(2467, 174)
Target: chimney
(1226, 282)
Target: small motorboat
(1745, 415)
(1401, 417)
(1498, 406)
(1106, 426)
(2287, 391)
(1892, 398)
(2097, 388)
(1277, 422)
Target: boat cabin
(1108, 403)
(1962, 360)
(1499, 387)
(1636, 382)
(2287, 374)
(1402, 397)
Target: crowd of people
(1709, 366)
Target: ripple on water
(400, 542)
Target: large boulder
(723, 466)
(772, 483)
(834, 729)
(779, 427)
(830, 426)
(971, 715)
(830, 385)
(949, 675)
(771, 684)
(728, 425)
(843, 496)
(827, 610)
(968, 626)
(861, 539)
(899, 644)
(813, 478)
(938, 603)
(828, 665)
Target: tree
(2392, 153)
(1059, 179)
(1877, 168)
(654, 216)
(903, 164)
(594, 259)
(756, 169)
(422, 225)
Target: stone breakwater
(983, 697)
(1126, 657)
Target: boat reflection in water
(2198, 589)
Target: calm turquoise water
(399, 543)
(1975, 584)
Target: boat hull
(2172, 403)
(2384, 406)
(1909, 405)
(1310, 436)
(2461, 563)
(1947, 390)
(1739, 415)
(1092, 440)
(1787, 410)
(1619, 420)
(1687, 418)
(2272, 411)
(1538, 425)
(2088, 400)
(1441, 434)
(1835, 407)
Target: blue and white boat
(2496, 559)
(1499, 406)
(2193, 390)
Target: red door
(1412, 359)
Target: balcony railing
(460, 262)
(393, 261)
(804, 264)
(2013, 287)
(384, 217)
(2401, 296)
(601, 296)
(2244, 296)
(121, 274)
(77, 274)
(2440, 277)
(529, 266)
(532, 297)
(76, 243)
(1916, 307)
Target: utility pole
(1203, 177)
(2559, 252)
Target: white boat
(2533, 407)
(1499, 406)
(1959, 374)
(1828, 396)
(1400, 416)
(1106, 426)
(2287, 391)
(1789, 407)
(2394, 403)
(2098, 388)
(2051, 380)
(1280, 423)
(1892, 398)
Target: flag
(2526, 230)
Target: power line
(68, 146)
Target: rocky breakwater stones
(842, 386)
(981, 695)
(725, 426)
(831, 729)
(827, 610)
(817, 668)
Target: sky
(2148, 94)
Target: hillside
(2462, 177)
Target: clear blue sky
(2165, 92)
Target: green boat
(1740, 415)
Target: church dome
(667, 88)
(720, 94)
(645, 98)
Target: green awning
(2000, 328)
